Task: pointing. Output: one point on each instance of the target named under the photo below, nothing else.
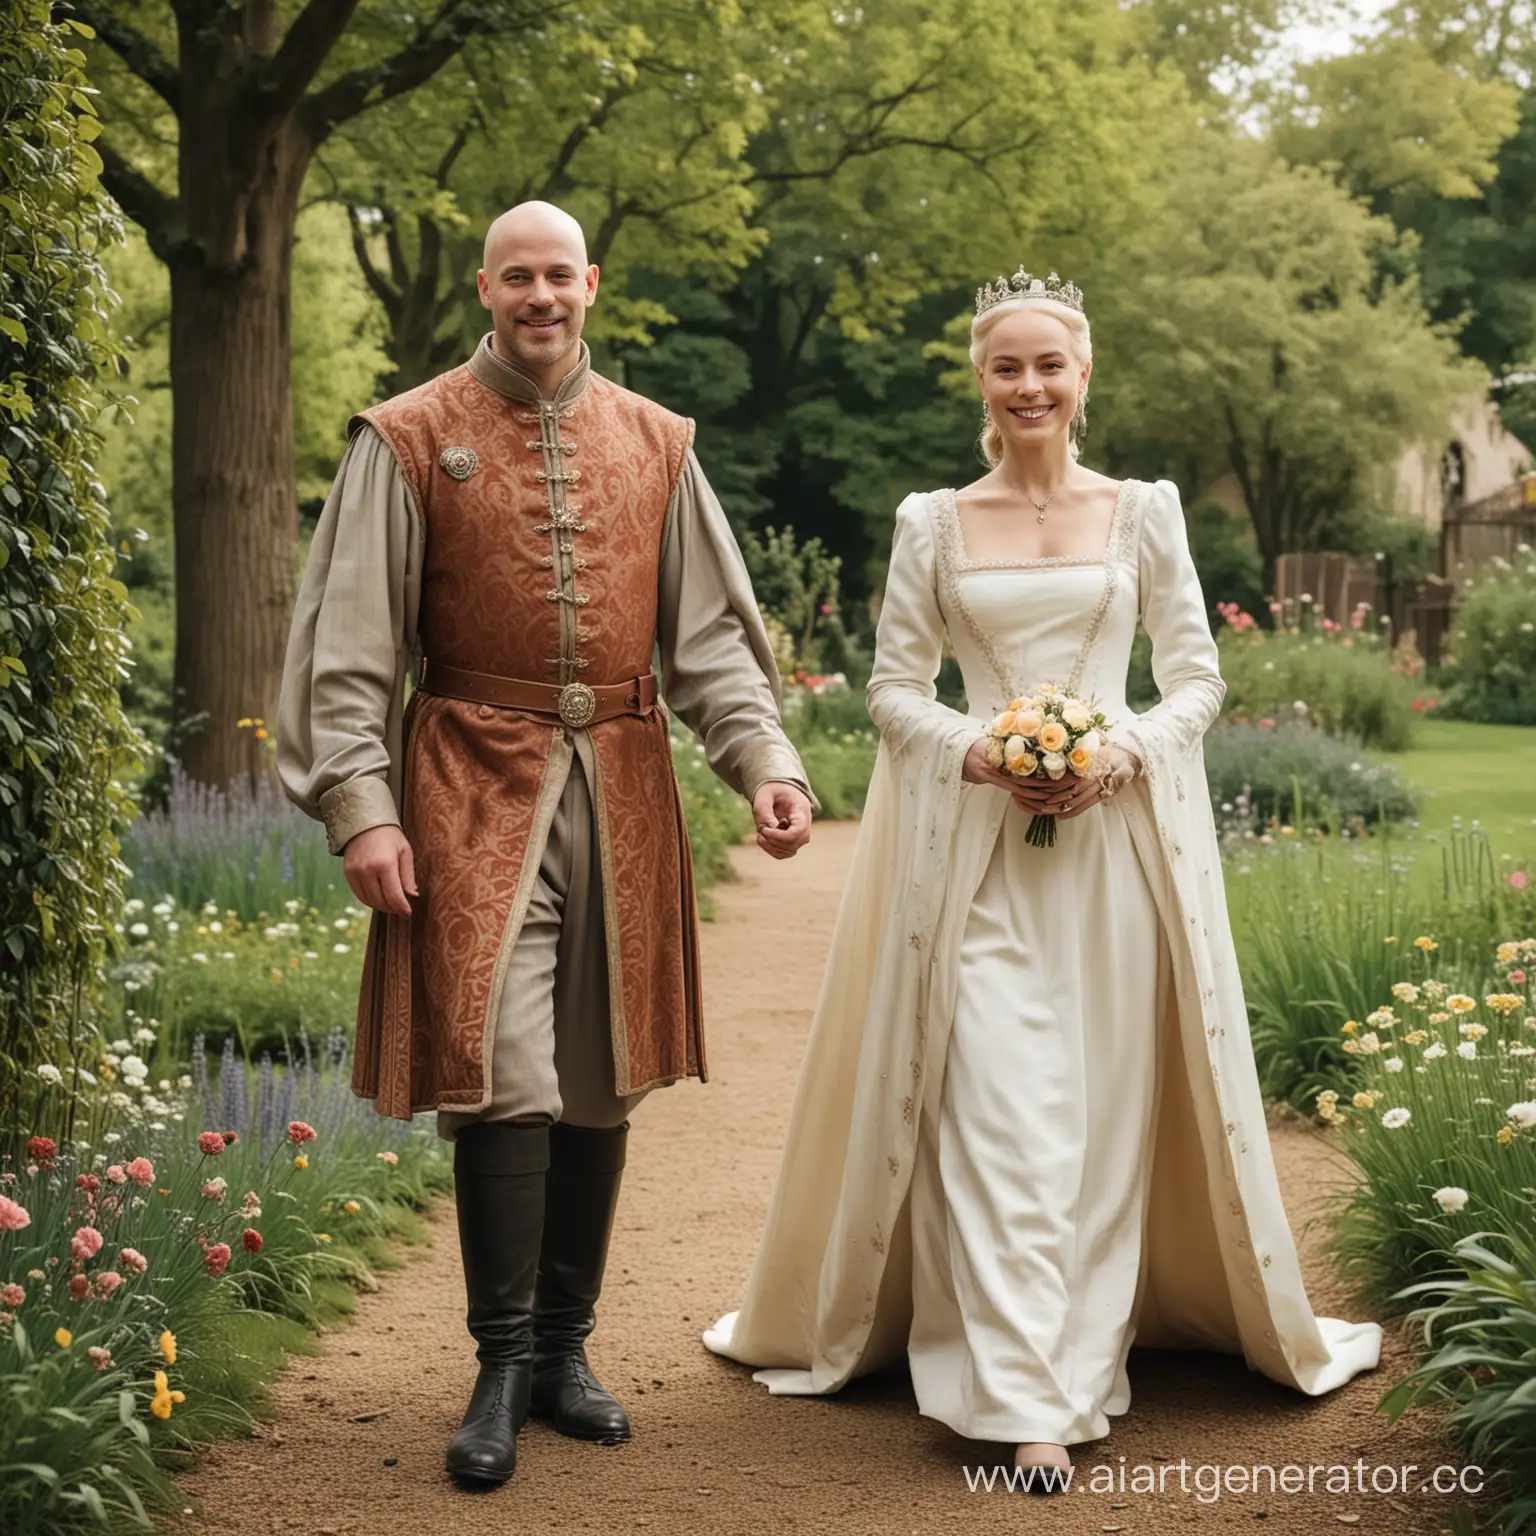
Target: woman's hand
(1065, 797)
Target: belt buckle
(578, 704)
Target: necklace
(1039, 506)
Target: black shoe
(498, 1172)
(580, 1195)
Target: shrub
(1296, 774)
(1344, 680)
(64, 739)
(1491, 673)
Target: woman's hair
(1080, 344)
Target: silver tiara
(1022, 286)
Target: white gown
(1028, 1129)
(1029, 1189)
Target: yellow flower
(1506, 1134)
(1053, 736)
(351, 1207)
(1352, 1047)
(160, 1403)
(1504, 1002)
(1391, 938)
(1027, 722)
(63, 1338)
(1080, 759)
(1439, 1018)
(1002, 725)
(1459, 1002)
(1507, 951)
(241, 725)
(168, 1346)
(1350, 1026)
(1425, 943)
(1416, 1037)
(323, 1237)
(301, 1162)
(1363, 1100)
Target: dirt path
(713, 1452)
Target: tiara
(1022, 286)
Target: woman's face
(1029, 377)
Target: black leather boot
(581, 1193)
(498, 1174)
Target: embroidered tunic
(481, 525)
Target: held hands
(380, 869)
(783, 817)
(1063, 798)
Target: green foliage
(1491, 671)
(837, 742)
(1298, 775)
(1227, 557)
(1323, 934)
(797, 586)
(1480, 1332)
(72, 1422)
(1346, 682)
(64, 740)
(716, 816)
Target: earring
(1079, 426)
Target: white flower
(200, 957)
(1523, 1114)
(118, 1101)
(184, 1081)
(163, 908)
(1091, 742)
(1467, 1050)
(1395, 1119)
(310, 954)
(1405, 992)
(173, 927)
(1370, 1043)
(132, 908)
(134, 1067)
(1451, 1199)
(1382, 1018)
(139, 930)
(1434, 1052)
(50, 1074)
(144, 1036)
(215, 927)
(89, 1079)
(1393, 1063)
(340, 949)
(1054, 764)
(341, 922)
(226, 954)
(112, 1138)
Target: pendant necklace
(1039, 506)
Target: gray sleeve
(344, 662)
(718, 674)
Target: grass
(1465, 770)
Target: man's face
(538, 293)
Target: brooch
(461, 463)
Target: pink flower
(79, 1287)
(12, 1295)
(141, 1171)
(107, 1282)
(86, 1243)
(216, 1259)
(131, 1258)
(1517, 880)
(1266, 724)
(42, 1148)
(115, 1174)
(1518, 977)
(12, 1216)
(299, 1133)
(214, 1189)
(88, 1182)
(230, 1138)
(210, 1144)
(392, 1158)
(102, 1358)
(251, 1240)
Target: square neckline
(964, 563)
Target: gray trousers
(553, 1054)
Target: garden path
(713, 1453)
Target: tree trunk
(234, 495)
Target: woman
(1029, 1075)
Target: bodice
(1069, 620)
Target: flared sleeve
(718, 674)
(344, 668)
(1185, 663)
(909, 646)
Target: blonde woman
(1030, 1073)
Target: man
(521, 533)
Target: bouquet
(1046, 735)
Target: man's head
(538, 285)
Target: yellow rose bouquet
(1047, 735)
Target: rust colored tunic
(541, 563)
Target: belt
(575, 704)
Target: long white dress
(1028, 1129)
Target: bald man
(518, 538)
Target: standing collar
(508, 379)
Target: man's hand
(379, 868)
(783, 817)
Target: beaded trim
(1122, 531)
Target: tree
(64, 740)
(1252, 331)
(248, 102)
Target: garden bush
(1345, 680)
(1490, 674)
(64, 739)
(1299, 775)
